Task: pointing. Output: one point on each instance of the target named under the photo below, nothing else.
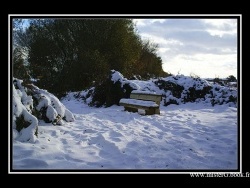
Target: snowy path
(190, 136)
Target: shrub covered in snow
(174, 89)
(165, 85)
(181, 89)
(49, 108)
(110, 91)
(222, 95)
(30, 104)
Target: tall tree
(19, 51)
(71, 54)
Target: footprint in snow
(160, 136)
(115, 134)
(89, 131)
(186, 136)
(64, 141)
(33, 163)
(146, 140)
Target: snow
(139, 102)
(69, 117)
(51, 113)
(147, 86)
(22, 110)
(188, 82)
(189, 136)
(47, 99)
(117, 76)
(182, 137)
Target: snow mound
(30, 104)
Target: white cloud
(203, 65)
(205, 47)
(161, 40)
(221, 23)
(158, 20)
(140, 22)
(221, 27)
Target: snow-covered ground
(185, 136)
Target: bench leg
(130, 109)
(157, 111)
(152, 111)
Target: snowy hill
(200, 132)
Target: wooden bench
(143, 102)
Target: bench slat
(144, 92)
(133, 106)
(155, 98)
(136, 102)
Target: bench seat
(135, 105)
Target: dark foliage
(193, 94)
(171, 101)
(232, 99)
(170, 86)
(231, 78)
(109, 93)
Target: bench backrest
(146, 96)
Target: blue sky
(203, 47)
